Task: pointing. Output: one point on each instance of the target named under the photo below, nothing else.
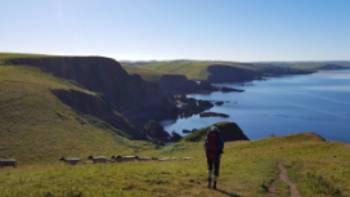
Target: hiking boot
(214, 185)
(209, 183)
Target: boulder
(230, 131)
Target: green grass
(145, 73)
(246, 167)
(195, 70)
(36, 126)
(6, 56)
(198, 70)
(37, 129)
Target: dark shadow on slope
(95, 106)
(228, 193)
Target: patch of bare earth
(283, 176)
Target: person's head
(214, 129)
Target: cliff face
(93, 105)
(179, 84)
(223, 73)
(333, 67)
(128, 94)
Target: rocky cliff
(93, 105)
(179, 84)
(223, 73)
(135, 98)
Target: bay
(318, 103)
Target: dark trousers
(214, 164)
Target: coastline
(307, 103)
(218, 87)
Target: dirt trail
(283, 176)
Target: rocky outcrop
(228, 89)
(230, 131)
(219, 103)
(189, 106)
(155, 132)
(213, 114)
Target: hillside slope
(310, 65)
(211, 71)
(316, 167)
(144, 72)
(37, 125)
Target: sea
(318, 102)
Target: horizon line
(173, 59)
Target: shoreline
(220, 87)
(273, 128)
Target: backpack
(213, 145)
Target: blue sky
(240, 30)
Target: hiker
(214, 145)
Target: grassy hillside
(145, 73)
(195, 70)
(36, 125)
(36, 128)
(7, 56)
(308, 65)
(4, 55)
(318, 168)
(212, 71)
(120, 91)
(200, 70)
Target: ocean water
(318, 103)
